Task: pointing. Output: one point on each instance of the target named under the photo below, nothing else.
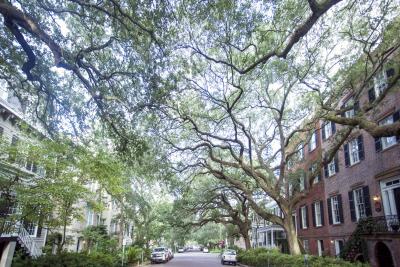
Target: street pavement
(192, 259)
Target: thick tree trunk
(293, 242)
(246, 241)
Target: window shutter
(396, 117)
(314, 220)
(329, 201)
(326, 171)
(367, 201)
(378, 144)
(352, 207)
(390, 72)
(360, 142)
(323, 131)
(340, 205)
(316, 138)
(371, 95)
(346, 155)
(1, 131)
(309, 146)
(321, 206)
(333, 125)
(306, 216)
(336, 163)
(300, 219)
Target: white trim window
(359, 203)
(317, 212)
(354, 152)
(335, 210)
(301, 182)
(306, 245)
(349, 113)
(320, 244)
(313, 141)
(31, 228)
(90, 216)
(387, 141)
(331, 168)
(300, 152)
(380, 82)
(338, 247)
(304, 223)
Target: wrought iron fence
(381, 224)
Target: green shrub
(68, 259)
(261, 257)
(134, 254)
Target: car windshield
(159, 249)
(230, 252)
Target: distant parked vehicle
(160, 254)
(229, 256)
(181, 250)
(205, 250)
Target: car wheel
(222, 262)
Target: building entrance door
(383, 255)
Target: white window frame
(304, 217)
(320, 245)
(327, 129)
(335, 210)
(302, 181)
(32, 229)
(390, 141)
(313, 141)
(349, 113)
(359, 203)
(317, 178)
(318, 215)
(380, 82)
(354, 151)
(300, 151)
(337, 247)
(331, 168)
(306, 245)
(89, 217)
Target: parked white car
(160, 254)
(205, 250)
(181, 250)
(229, 257)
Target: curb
(242, 265)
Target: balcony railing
(381, 224)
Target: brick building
(363, 181)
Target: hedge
(68, 259)
(261, 257)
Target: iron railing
(381, 224)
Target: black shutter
(329, 201)
(333, 125)
(378, 144)
(323, 131)
(321, 206)
(314, 220)
(356, 107)
(352, 207)
(396, 117)
(360, 143)
(367, 201)
(326, 171)
(336, 163)
(306, 207)
(371, 95)
(346, 155)
(390, 72)
(340, 205)
(300, 219)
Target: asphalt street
(193, 259)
